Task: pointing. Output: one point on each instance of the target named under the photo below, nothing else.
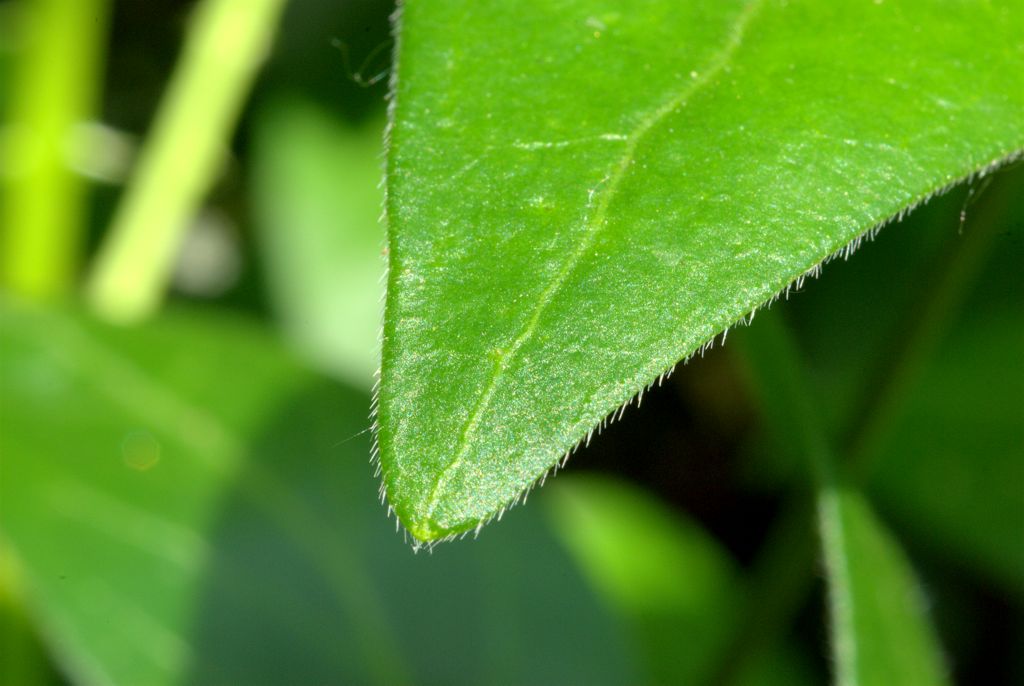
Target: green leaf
(880, 631)
(565, 228)
(669, 577)
(317, 203)
(658, 568)
(188, 506)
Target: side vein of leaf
(594, 224)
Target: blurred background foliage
(188, 498)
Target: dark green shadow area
(309, 583)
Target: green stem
(225, 46)
(55, 87)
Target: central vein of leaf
(595, 220)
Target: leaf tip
(424, 531)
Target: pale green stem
(55, 88)
(226, 43)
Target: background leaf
(205, 514)
(563, 231)
(316, 198)
(662, 571)
(25, 659)
(880, 630)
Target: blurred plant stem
(783, 575)
(56, 85)
(226, 43)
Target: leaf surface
(190, 507)
(579, 197)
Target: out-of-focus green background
(189, 498)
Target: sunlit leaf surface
(565, 228)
